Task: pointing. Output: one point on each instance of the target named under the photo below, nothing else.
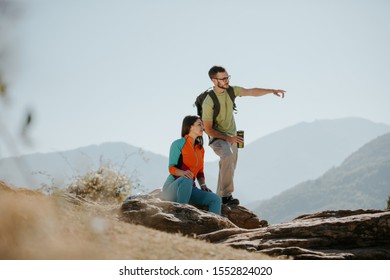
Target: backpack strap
(230, 91)
(216, 106)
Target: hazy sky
(122, 70)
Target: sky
(95, 71)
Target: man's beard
(223, 86)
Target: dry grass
(36, 226)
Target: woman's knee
(184, 190)
(185, 183)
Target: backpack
(201, 97)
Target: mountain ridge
(300, 152)
(63, 166)
(362, 181)
(258, 161)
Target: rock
(242, 217)
(171, 217)
(344, 234)
(151, 211)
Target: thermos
(240, 133)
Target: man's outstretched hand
(279, 92)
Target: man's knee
(227, 155)
(226, 150)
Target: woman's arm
(174, 156)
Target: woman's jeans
(182, 190)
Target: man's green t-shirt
(225, 122)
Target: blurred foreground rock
(343, 234)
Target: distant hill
(266, 167)
(280, 160)
(146, 169)
(362, 181)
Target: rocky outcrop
(151, 211)
(172, 217)
(360, 234)
(240, 216)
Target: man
(223, 138)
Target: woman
(186, 160)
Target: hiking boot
(229, 200)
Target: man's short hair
(214, 70)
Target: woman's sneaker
(229, 200)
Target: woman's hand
(187, 174)
(205, 188)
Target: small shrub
(103, 185)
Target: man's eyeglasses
(224, 79)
